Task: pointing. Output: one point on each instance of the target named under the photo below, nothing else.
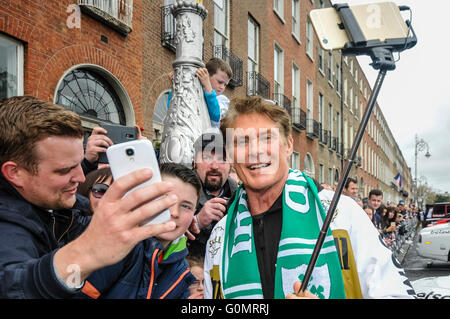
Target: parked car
(434, 242)
(438, 212)
(440, 221)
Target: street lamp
(420, 146)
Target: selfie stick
(382, 60)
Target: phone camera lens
(129, 151)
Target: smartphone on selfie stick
(347, 28)
(128, 157)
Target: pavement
(404, 250)
(407, 245)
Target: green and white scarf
(303, 216)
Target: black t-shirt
(267, 233)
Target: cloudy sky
(415, 98)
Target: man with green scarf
(263, 245)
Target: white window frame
(295, 160)
(345, 93)
(296, 19)
(338, 126)
(320, 103)
(226, 35)
(309, 40)
(253, 61)
(19, 67)
(309, 99)
(278, 69)
(350, 101)
(278, 8)
(321, 62)
(330, 118)
(338, 78)
(330, 69)
(321, 174)
(295, 86)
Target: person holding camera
(46, 249)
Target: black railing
(257, 85)
(236, 64)
(323, 136)
(340, 149)
(330, 138)
(283, 100)
(168, 28)
(333, 144)
(358, 161)
(298, 118)
(312, 128)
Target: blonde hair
(25, 120)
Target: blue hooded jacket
(161, 274)
(30, 236)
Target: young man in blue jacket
(47, 247)
(158, 269)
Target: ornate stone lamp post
(187, 117)
(420, 146)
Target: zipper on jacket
(152, 278)
(152, 275)
(53, 215)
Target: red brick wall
(51, 47)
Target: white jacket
(379, 273)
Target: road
(417, 267)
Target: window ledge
(106, 18)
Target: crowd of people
(68, 231)
(395, 222)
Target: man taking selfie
(47, 248)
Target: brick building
(83, 57)
(109, 60)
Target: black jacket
(29, 237)
(198, 246)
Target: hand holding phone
(114, 228)
(96, 145)
(117, 134)
(128, 157)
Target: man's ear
(290, 145)
(13, 173)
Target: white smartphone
(378, 21)
(128, 157)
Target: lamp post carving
(187, 117)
